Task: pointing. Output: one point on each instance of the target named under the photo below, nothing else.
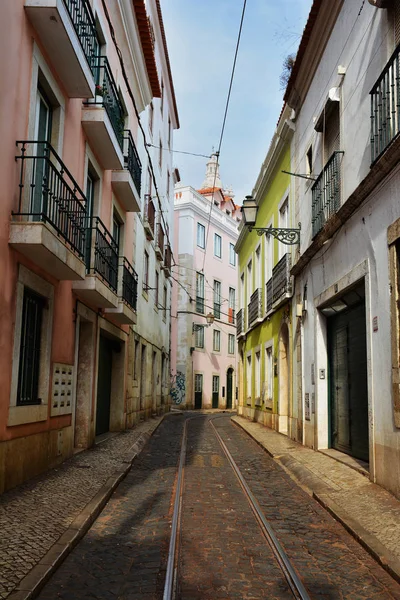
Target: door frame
(194, 389)
(230, 368)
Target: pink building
(203, 355)
(76, 78)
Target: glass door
(41, 165)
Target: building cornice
(139, 9)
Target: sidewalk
(44, 518)
(367, 511)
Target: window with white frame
(248, 376)
(242, 291)
(257, 368)
(199, 336)
(231, 305)
(249, 283)
(217, 299)
(200, 292)
(151, 117)
(201, 236)
(258, 267)
(269, 374)
(284, 223)
(217, 245)
(216, 340)
(232, 255)
(231, 343)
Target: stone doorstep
(320, 491)
(30, 586)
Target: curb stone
(30, 586)
(320, 492)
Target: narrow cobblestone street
(222, 553)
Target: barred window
(29, 357)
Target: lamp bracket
(285, 235)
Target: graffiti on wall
(178, 387)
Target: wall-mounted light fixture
(210, 320)
(285, 235)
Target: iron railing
(385, 106)
(268, 295)
(149, 212)
(326, 193)
(102, 257)
(239, 322)
(132, 161)
(48, 193)
(281, 281)
(107, 96)
(160, 240)
(129, 284)
(254, 306)
(84, 24)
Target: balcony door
(43, 120)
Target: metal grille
(50, 194)
(85, 26)
(281, 278)
(239, 322)
(326, 193)
(132, 161)
(268, 294)
(29, 356)
(105, 255)
(106, 89)
(385, 106)
(254, 307)
(129, 284)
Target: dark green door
(104, 386)
(198, 390)
(348, 382)
(215, 391)
(229, 376)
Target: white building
(346, 312)
(204, 356)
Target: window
(137, 360)
(249, 285)
(284, 223)
(232, 255)
(151, 117)
(165, 302)
(217, 299)
(231, 344)
(162, 97)
(232, 304)
(242, 291)
(258, 268)
(258, 375)
(200, 293)
(160, 155)
(215, 384)
(217, 245)
(201, 235)
(168, 184)
(146, 272)
(116, 230)
(156, 289)
(199, 336)
(248, 377)
(309, 161)
(216, 340)
(29, 357)
(269, 364)
(149, 183)
(169, 134)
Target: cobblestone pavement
(222, 553)
(34, 515)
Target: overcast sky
(201, 36)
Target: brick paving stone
(34, 515)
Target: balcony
(100, 286)
(67, 31)
(167, 260)
(254, 307)
(385, 107)
(103, 118)
(149, 217)
(160, 242)
(127, 183)
(279, 287)
(125, 313)
(50, 225)
(240, 323)
(326, 193)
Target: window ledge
(19, 415)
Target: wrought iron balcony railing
(107, 96)
(279, 285)
(84, 24)
(48, 193)
(102, 254)
(326, 193)
(239, 322)
(129, 284)
(385, 106)
(132, 161)
(254, 306)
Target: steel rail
(295, 583)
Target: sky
(201, 37)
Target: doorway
(229, 387)
(215, 391)
(104, 385)
(198, 390)
(348, 383)
(283, 406)
(143, 378)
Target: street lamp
(283, 234)
(210, 320)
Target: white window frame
(257, 372)
(201, 228)
(216, 336)
(216, 237)
(269, 372)
(248, 375)
(232, 254)
(231, 343)
(199, 336)
(283, 221)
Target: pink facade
(204, 357)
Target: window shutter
(332, 131)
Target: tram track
(172, 572)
